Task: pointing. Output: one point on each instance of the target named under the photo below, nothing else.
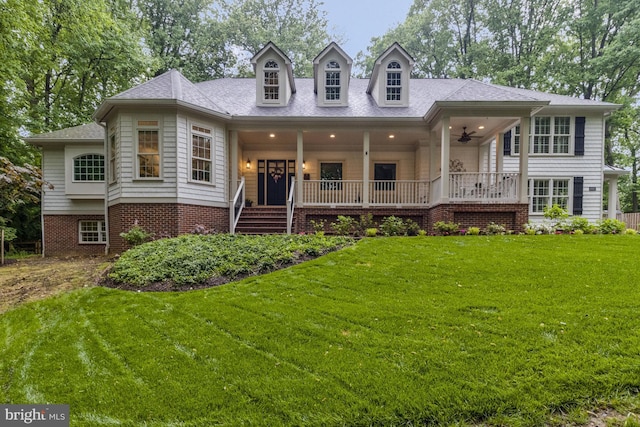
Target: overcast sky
(360, 20)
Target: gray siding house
(171, 155)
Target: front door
(273, 181)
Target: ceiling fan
(466, 137)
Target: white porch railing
(484, 187)
(404, 193)
(328, 193)
(291, 204)
(236, 206)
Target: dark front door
(273, 181)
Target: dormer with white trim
(331, 75)
(274, 77)
(389, 83)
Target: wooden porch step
(263, 220)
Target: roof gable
(271, 49)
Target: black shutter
(578, 191)
(507, 143)
(579, 141)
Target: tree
(626, 138)
(298, 27)
(185, 35)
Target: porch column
(234, 164)
(444, 160)
(499, 152)
(433, 166)
(524, 158)
(366, 142)
(612, 211)
(299, 170)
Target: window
(394, 81)
(332, 81)
(92, 232)
(551, 135)
(113, 155)
(88, 167)
(385, 172)
(201, 154)
(331, 172)
(548, 192)
(148, 149)
(271, 81)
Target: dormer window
(271, 81)
(394, 81)
(332, 81)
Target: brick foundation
(163, 220)
(512, 216)
(61, 236)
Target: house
(169, 154)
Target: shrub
(446, 228)
(136, 235)
(371, 232)
(412, 227)
(393, 226)
(493, 228)
(422, 233)
(611, 226)
(578, 232)
(473, 231)
(532, 228)
(345, 226)
(318, 226)
(631, 231)
(582, 224)
(366, 221)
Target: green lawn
(505, 330)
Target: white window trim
(338, 70)
(572, 126)
(138, 128)
(279, 85)
(102, 234)
(81, 181)
(212, 134)
(551, 180)
(388, 70)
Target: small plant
(318, 226)
(557, 215)
(199, 229)
(393, 226)
(136, 235)
(578, 232)
(473, 231)
(446, 228)
(631, 231)
(366, 221)
(412, 227)
(611, 226)
(582, 224)
(371, 232)
(493, 229)
(248, 203)
(345, 226)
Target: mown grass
(505, 330)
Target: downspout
(42, 247)
(106, 187)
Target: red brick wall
(61, 236)
(163, 220)
(304, 216)
(512, 216)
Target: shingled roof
(83, 133)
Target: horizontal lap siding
(588, 166)
(216, 193)
(55, 200)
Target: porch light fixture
(480, 127)
(248, 163)
(272, 135)
(332, 135)
(304, 164)
(392, 136)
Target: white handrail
(235, 207)
(291, 204)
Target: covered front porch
(399, 164)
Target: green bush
(446, 228)
(493, 229)
(318, 226)
(371, 232)
(611, 226)
(581, 223)
(136, 235)
(393, 226)
(366, 221)
(473, 231)
(631, 231)
(345, 226)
